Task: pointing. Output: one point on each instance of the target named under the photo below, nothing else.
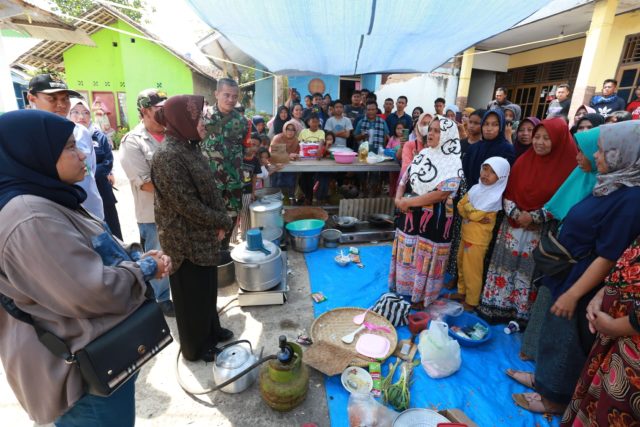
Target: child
(396, 139)
(248, 172)
(322, 179)
(313, 134)
(479, 208)
(266, 168)
(395, 142)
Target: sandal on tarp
(525, 357)
(534, 402)
(529, 382)
(455, 296)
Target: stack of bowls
(305, 234)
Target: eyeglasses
(81, 113)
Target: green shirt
(223, 147)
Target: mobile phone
(459, 117)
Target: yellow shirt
(307, 135)
(474, 231)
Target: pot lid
(233, 357)
(243, 255)
(271, 233)
(266, 205)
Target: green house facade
(121, 65)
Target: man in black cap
(49, 93)
(136, 150)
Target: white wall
(420, 89)
(491, 61)
(481, 88)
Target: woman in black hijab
(282, 117)
(62, 267)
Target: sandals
(456, 296)
(525, 357)
(527, 379)
(534, 402)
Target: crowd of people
(477, 190)
(475, 200)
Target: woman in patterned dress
(423, 226)
(608, 389)
(596, 232)
(535, 177)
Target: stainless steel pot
(226, 270)
(331, 237)
(306, 243)
(266, 212)
(255, 270)
(233, 359)
(269, 193)
(272, 234)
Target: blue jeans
(119, 409)
(149, 234)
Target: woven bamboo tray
(334, 324)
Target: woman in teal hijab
(580, 183)
(575, 188)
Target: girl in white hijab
(478, 209)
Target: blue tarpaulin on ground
(480, 388)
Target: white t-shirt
(335, 125)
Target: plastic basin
(305, 227)
(464, 320)
(344, 156)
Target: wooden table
(328, 165)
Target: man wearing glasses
(227, 133)
(49, 93)
(136, 150)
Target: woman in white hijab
(81, 115)
(423, 225)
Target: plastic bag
(439, 353)
(441, 308)
(365, 411)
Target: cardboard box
(457, 416)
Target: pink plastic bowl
(344, 156)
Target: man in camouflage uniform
(227, 132)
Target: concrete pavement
(159, 399)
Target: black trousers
(194, 289)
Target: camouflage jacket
(223, 147)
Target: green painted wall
(128, 67)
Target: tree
(80, 7)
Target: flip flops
(528, 380)
(534, 402)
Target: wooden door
(526, 97)
(628, 79)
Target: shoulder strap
(54, 344)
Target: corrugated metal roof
(38, 23)
(49, 53)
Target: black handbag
(114, 357)
(552, 258)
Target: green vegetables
(397, 394)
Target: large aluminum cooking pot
(257, 270)
(266, 212)
(226, 269)
(269, 193)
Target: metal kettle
(231, 360)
